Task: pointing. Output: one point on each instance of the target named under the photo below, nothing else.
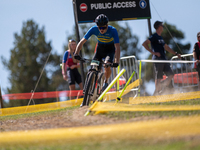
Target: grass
(184, 102)
(159, 114)
(115, 144)
(26, 115)
(121, 115)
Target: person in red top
(196, 55)
(69, 67)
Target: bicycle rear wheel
(89, 90)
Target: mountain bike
(94, 81)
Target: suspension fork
(95, 81)
(86, 81)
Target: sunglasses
(72, 40)
(162, 25)
(102, 28)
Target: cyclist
(69, 67)
(108, 43)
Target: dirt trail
(68, 118)
(63, 119)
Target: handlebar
(106, 64)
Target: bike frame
(96, 69)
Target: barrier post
(140, 70)
(118, 69)
(1, 99)
(119, 98)
(114, 75)
(111, 84)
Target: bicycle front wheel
(100, 83)
(89, 90)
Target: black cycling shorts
(105, 51)
(162, 67)
(198, 70)
(73, 76)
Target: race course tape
(113, 95)
(40, 95)
(161, 129)
(104, 107)
(165, 98)
(39, 107)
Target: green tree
(128, 41)
(88, 47)
(27, 60)
(178, 36)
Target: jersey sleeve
(195, 49)
(115, 36)
(65, 57)
(90, 32)
(152, 38)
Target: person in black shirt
(158, 47)
(196, 55)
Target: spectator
(196, 55)
(158, 50)
(69, 67)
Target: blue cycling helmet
(101, 20)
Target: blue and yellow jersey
(111, 36)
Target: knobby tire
(100, 83)
(90, 85)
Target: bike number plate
(95, 63)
